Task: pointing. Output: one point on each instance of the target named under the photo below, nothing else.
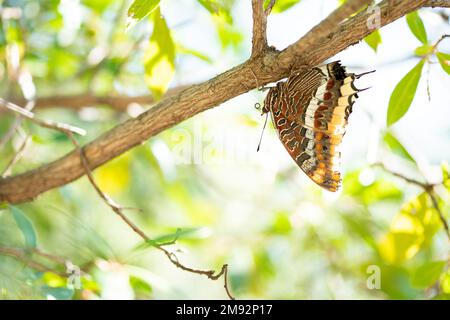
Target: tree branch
(259, 40)
(271, 66)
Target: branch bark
(438, 3)
(268, 67)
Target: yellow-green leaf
(427, 274)
(445, 282)
(444, 61)
(139, 9)
(229, 35)
(403, 94)
(424, 50)
(417, 27)
(410, 230)
(159, 58)
(373, 40)
(218, 7)
(446, 175)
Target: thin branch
(269, 67)
(17, 155)
(22, 112)
(423, 185)
(23, 256)
(428, 188)
(79, 101)
(440, 39)
(12, 130)
(432, 196)
(119, 211)
(269, 8)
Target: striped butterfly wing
(310, 112)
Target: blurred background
(282, 236)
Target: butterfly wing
(310, 112)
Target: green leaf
(446, 175)
(25, 225)
(427, 274)
(416, 26)
(229, 35)
(139, 9)
(281, 5)
(403, 94)
(140, 287)
(424, 50)
(185, 233)
(396, 147)
(373, 40)
(159, 59)
(444, 61)
(218, 8)
(445, 283)
(281, 223)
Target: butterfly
(310, 112)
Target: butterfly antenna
(363, 89)
(262, 132)
(363, 74)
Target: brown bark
(267, 67)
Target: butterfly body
(310, 111)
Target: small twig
(439, 211)
(50, 257)
(18, 154)
(440, 40)
(15, 125)
(269, 8)
(62, 127)
(428, 188)
(21, 255)
(423, 185)
(119, 211)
